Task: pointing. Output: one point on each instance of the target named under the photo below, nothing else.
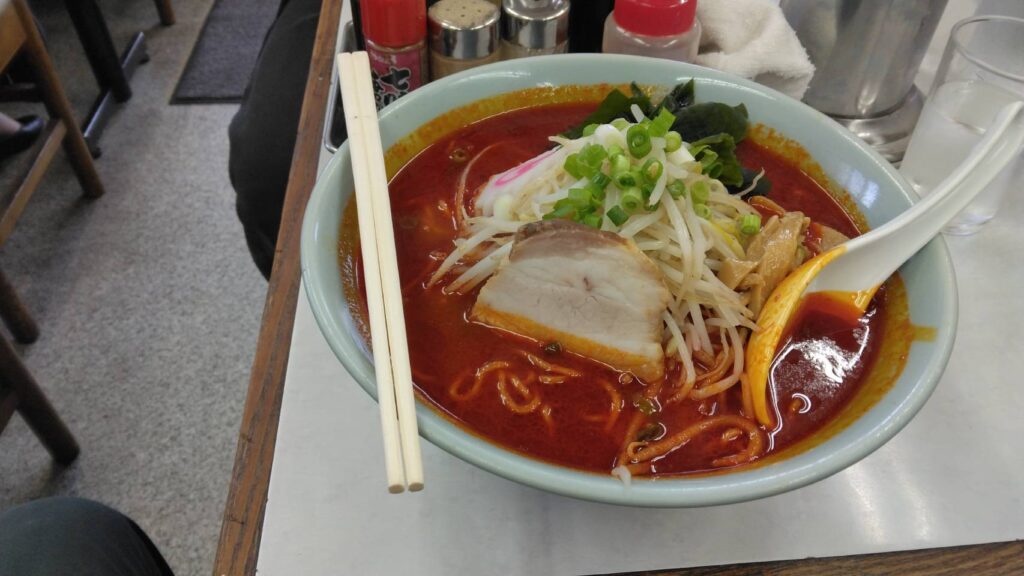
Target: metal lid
(464, 29)
(535, 24)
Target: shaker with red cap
(658, 28)
(396, 40)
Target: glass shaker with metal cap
(463, 34)
(534, 28)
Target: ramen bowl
(873, 185)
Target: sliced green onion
(652, 170)
(673, 141)
(600, 180)
(589, 160)
(632, 199)
(582, 213)
(702, 210)
(647, 406)
(651, 432)
(563, 209)
(615, 150)
(572, 166)
(639, 177)
(553, 347)
(593, 220)
(662, 123)
(676, 189)
(617, 215)
(625, 179)
(580, 197)
(619, 163)
(646, 190)
(620, 123)
(638, 140)
(708, 158)
(700, 192)
(750, 224)
(592, 155)
(589, 129)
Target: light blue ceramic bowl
(872, 182)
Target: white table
(953, 476)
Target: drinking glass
(982, 70)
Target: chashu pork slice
(593, 292)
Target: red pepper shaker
(396, 41)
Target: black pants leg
(263, 132)
(75, 537)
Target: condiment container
(395, 33)
(463, 34)
(659, 28)
(534, 28)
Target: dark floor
(148, 302)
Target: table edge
(977, 559)
(242, 523)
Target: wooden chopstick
(371, 269)
(394, 310)
(380, 264)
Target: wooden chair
(20, 393)
(166, 11)
(18, 390)
(18, 34)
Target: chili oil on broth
(571, 428)
(888, 316)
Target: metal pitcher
(867, 53)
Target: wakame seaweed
(641, 99)
(680, 97)
(615, 105)
(712, 128)
(693, 121)
(710, 118)
(717, 154)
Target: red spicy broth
(575, 429)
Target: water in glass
(953, 121)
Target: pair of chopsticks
(403, 461)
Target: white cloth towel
(751, 38)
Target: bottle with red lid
(396, 41)
(657, 28)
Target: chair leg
(35, 408)
(58, 106)
(15, 314)
(166, 11)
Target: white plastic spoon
(854, 270)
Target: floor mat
(224, 55)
